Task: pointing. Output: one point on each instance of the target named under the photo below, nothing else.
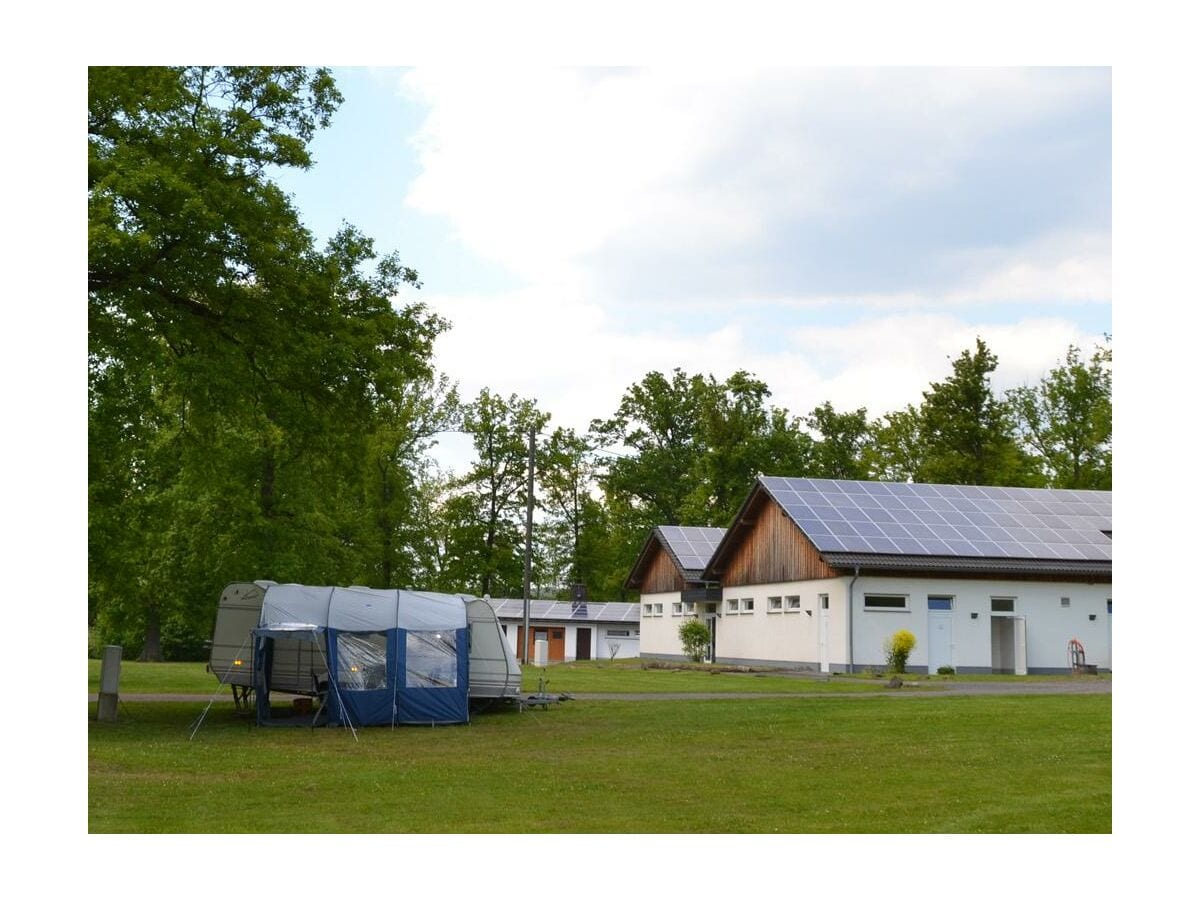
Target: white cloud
(611, 179)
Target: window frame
(789, 607)
(903, 598)
(774, 605)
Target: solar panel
(693, 546)
(946, 520)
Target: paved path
(918, 689)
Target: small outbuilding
(572, 629)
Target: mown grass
(830, 764)
(620, 676)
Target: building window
(689, 608)
(658, 609)
(824, 601)
(748, 605)
(677, 609)
(617, 632)
(1064, 602)
(647, 609)
(941, 602)
(886, 602)
(710, 607)
(1003, 604)
(793, 603)
(731, 607)
(774, 604)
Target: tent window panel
(362, 661)
(431, 659)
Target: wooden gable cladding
(770, 548)
(661, 574)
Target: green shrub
(945, 670)
(898, 647)
(694, 635)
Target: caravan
(396, 656)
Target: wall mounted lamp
(974, 615)
(808, 612)
(1091, 617)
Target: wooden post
(110, 679)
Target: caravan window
(431, 659)
(362, 661)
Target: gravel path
(918, 689)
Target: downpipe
(850, 620)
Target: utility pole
(528, 544)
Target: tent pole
(337, 693)
(220, 684)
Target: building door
(941, 632)
(1109, 665)
(1008, 645)
(583, 643)
(710, 655)
(823, 630)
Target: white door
(823, 630)
(1019, 665)
(941, 639)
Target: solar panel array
(692, 545)
(551, 610)
(947, 520)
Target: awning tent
(392, 656)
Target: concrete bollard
(110, 679)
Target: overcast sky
(838, 232)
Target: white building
(573, 630)
(667, 575)
(817, 574)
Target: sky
(841, 233)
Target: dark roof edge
(967, 564)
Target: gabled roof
(892, 525)
(689, 548)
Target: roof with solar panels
(872, 525)
(689, 548)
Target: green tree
(1066, 420)
(967, 434)
(567, 474)
(842, 438)
(497, 484)
(894, 450)
(236, 372)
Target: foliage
(694, 636)
(945, 670)
(244, 386)
(843, 438)
(967, 434)
(898, 647)
(1066, 421)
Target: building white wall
(660, 630)
(1048, 624)
(789, 637)
(629, 645)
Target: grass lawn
(620, 676)
(829, 764)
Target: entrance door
(941, 632)
(583, 643)
(710, 654)
(823, 630)
(1008, 645)
(1019, 646)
